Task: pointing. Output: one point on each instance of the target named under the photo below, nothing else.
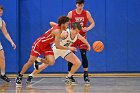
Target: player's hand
(88, 48)
(84, 29)
(13, 45)
(73, 49)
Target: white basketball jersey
(68, 40)
(0, 22)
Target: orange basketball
(98, 46)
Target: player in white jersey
(66, 41)
(68, 38)
(2, 57)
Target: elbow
(50, 23)
(94, 24)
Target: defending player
(69, 37)
(83, 16)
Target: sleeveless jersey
(82, 18)
(68, 41)
(47, 38)
(1, 22)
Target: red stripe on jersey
(47, 38)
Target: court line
(36, 82)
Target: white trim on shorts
(60, 53)
(1, 48)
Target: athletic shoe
(19, 80)
(5, 78)
(29, 79)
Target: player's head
(80, 4)
(63, 22)
(1, 10)
(76, 27)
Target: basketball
(98, 46)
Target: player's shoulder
(87, 11)
(70, 13)
(55, 30)
(56, 27)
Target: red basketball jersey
(47, 38)
(82, 18)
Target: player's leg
(85, 65)
(83, 50)
(72, 58)
(69, 63)
(49, 56)
(40, 68)
(24, 69)
(43, 66)
(48, 59)
(2, 66)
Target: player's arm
(69, 15)
(90, 19)
(57, 33)
(84, 41)
(53, 24)
(64, 35)
(6, 34)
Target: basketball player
(7, 36)
(43, 46)
(68, 37)
(82, 16)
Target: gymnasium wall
(10, 16)
(117, 26)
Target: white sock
(31, 75)
(69, 75)
(2, 73)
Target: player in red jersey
(82, 16)
(43, 46)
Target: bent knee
(51, 63)
(77, 62)
(30, 62)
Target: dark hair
(62, 20)
(1, 7)
(76, 25)
(80, 1)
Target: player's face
(1, 12)
(76, 30)
(80, 6)
(65, 26)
